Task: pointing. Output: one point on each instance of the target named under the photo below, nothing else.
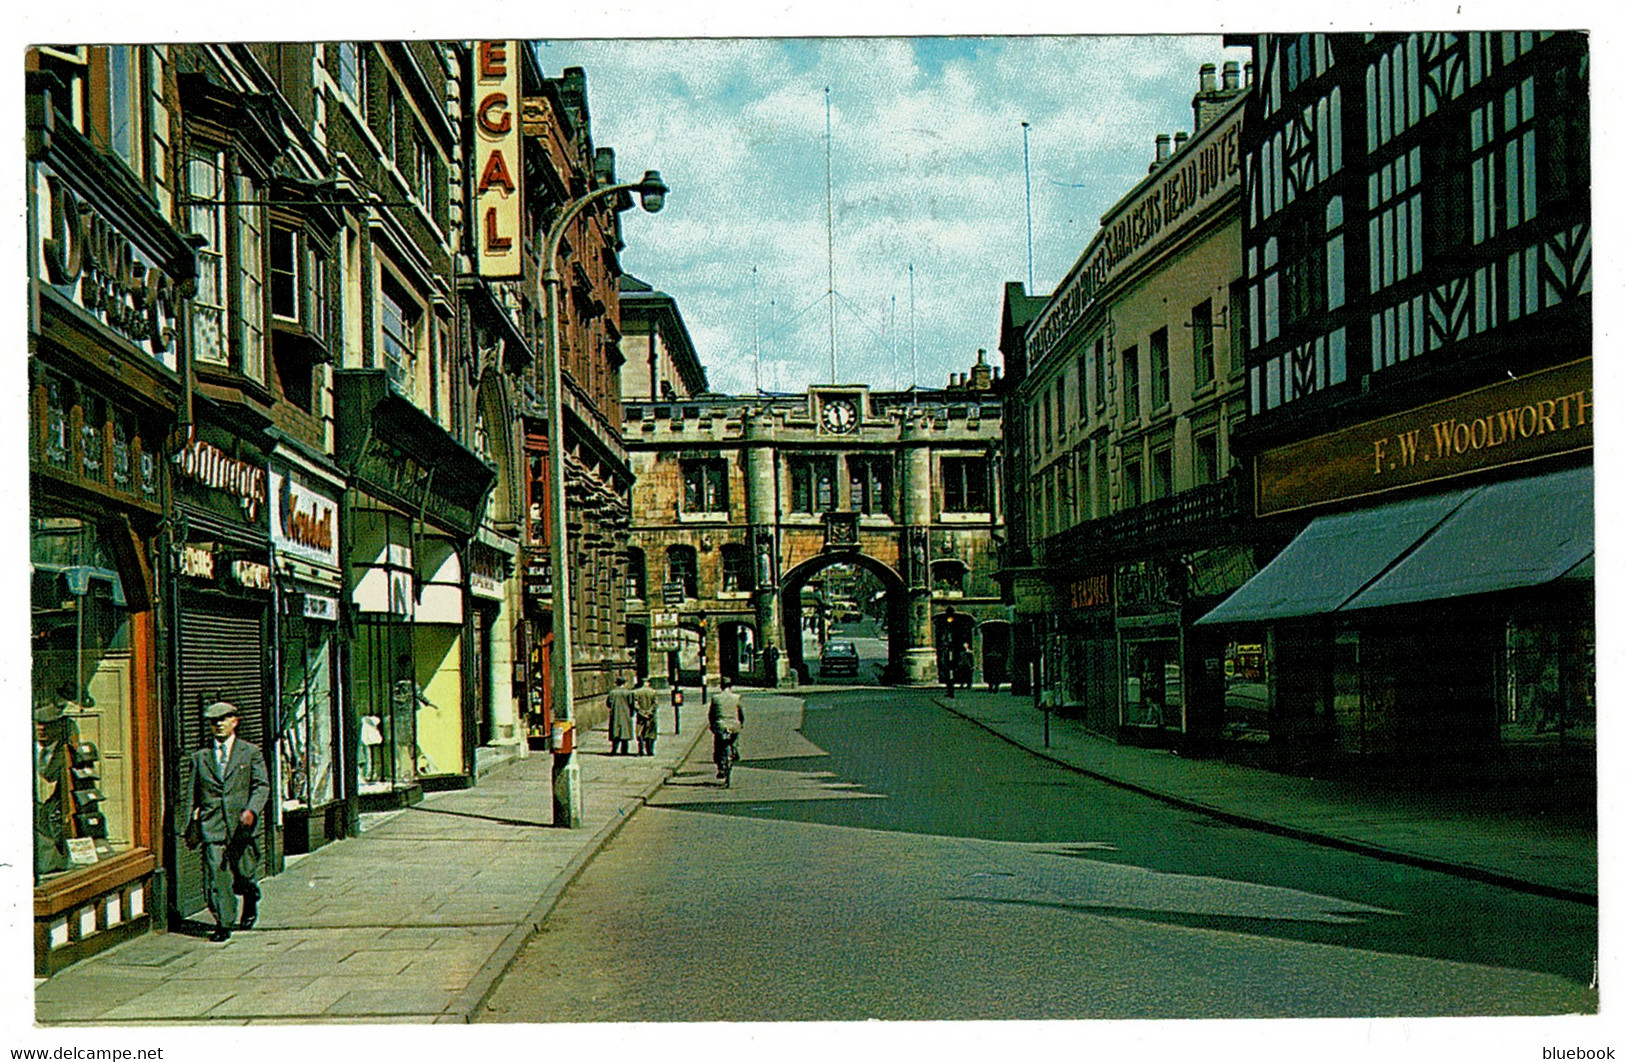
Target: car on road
(838, 658)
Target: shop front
(1451, 622)
(413, 505)
(309, 585)
(106, 274)
(220, 593)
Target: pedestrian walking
(230, 787)
(727, 721)
(644, 704)
(620, 718)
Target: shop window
(1131, 384)
(964, 485)
(1246, 690)
(83, 690)
(1160, 384)
(637, 574)
(1153, 688)
(705, 486)
(871, 484)
(1551, 672)
(305, 746)
(737, 574)
(1202, 342)
(812, 484)
(682, 569)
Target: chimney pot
(1162, 147)
(1232, 75)
(1208, 70)
(1248, 70)
(1179, 141)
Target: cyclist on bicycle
(727, 720)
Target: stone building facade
(1132, 388)
(743, 502)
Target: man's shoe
(220, 934)
(251, 907)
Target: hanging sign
(498, 161)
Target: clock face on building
(840, 415)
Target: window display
(306, 744)
(82, 679)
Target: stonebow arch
(795, 580)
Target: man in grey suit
(230, 787)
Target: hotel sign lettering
(1540, 415)
(1199, 175)
(498, 162)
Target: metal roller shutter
(222, 658)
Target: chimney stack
(1163, 140)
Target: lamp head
(652, 191)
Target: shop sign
(211, 466)
(487, 571)
(1543, 414)
(197, 561)
(1095, 591)
(251, 575)
(83, 254)
(321, 607)
(1201, 173)
(498, 161)
(304, 522)
(1032, 595)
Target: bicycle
(728, 752)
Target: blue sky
(926, 166)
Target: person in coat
(727, 721)
(620, 718)
(644, 703)
(230, 787)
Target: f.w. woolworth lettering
(1539, 415)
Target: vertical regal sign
(498, 195)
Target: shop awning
(1502, 536)
(1524, 532)
(1333, 559)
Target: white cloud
(926, 155)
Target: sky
(925, 169)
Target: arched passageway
(892, 595)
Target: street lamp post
(567, 808)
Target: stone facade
(743, 503)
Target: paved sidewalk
(1464, 831)
(412, 921)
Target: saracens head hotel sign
(498, 163)
(1197, 176)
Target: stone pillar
(920, 661)
(761, 513)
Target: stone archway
(897, 615)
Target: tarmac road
(878, 857)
